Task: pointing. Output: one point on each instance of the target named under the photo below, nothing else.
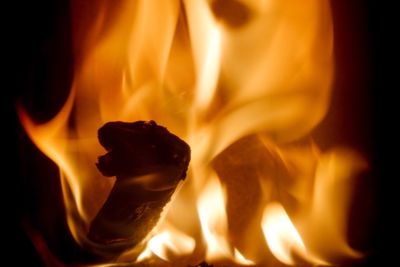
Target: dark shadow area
(39, 67)
(357, 118)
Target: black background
(39, 59)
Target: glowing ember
(212, 76)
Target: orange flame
(212, 74)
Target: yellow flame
(325, 222)
(166, 242)
(206, 39)
(240, 259)
(280, 233)
(174, 242)
(211, 208)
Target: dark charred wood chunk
(202, 264)
(148, 162)
(141, 148)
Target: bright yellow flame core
(213, 220)
(281, 235)
(211, 78)
(168, 241)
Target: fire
(282, 237)
(168, 241)
(211, 208)
(213, 75)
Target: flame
(331, 199)
(207, 50)
(281, 235)
(166, 242)
(212, 72)
(211, 208)
(240, 259)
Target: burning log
(148, 162)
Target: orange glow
(212, 78)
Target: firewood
(148, 162)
